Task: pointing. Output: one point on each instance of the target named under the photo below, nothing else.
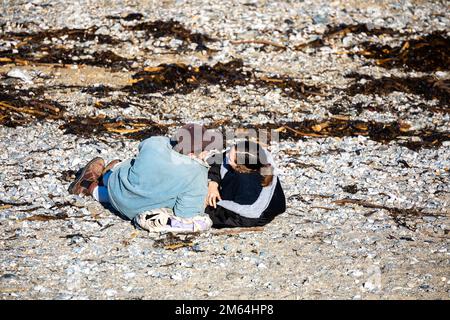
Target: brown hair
(250, 157)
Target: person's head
(248, 157)
(192, 140)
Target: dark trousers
(224, 218)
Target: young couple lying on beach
(188, 184)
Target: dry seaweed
(172, 28)
(181, 78)
(262, 42)
(380, 132)
(174, 241)
(426, 86)
(35, 47)
(49, 46)
(40, 47)
(290, 87)
(128, 17)
(233, 231)
(45, 217)
(80, 35)
(341, 30)
(16, 108)
(98, 90)
(350, 189)
(31, 174)
(61, 55)
(402, 217)
(112, 104)
(64, 56)
(136, 129)
(14, 204)
(426, 53)
(68, 175)
(126, 102)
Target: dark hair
(251, 157)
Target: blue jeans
(101, 192)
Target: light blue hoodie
(159, 177)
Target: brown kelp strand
(137, 128)
(426, 53)
(38, 38)
(106, 59)
(181, 78)
(172, 241)
(341, 30)
(98, 90)
(405, 217)
(68, 175)
(18, 108)
(113, 104)
(171, 28)
(121, 103)
(66, 46)
(376, 131)
(129, 17)
(43, 47)
(427, 86)
(60, 55)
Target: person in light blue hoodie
(163, 188)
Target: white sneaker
(164, 220)
(156, 220)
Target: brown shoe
(90, 189)
(91, 172)
(110, 165)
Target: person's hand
(213, 194)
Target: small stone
(425, 287)
(320, 19)
(128, 288)
(357, 273)
(20, 74)
(369, 286)
(177, 277)
(261, 266)
(110, 292)
(129, 275)
(8, 277)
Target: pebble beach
(357, 92)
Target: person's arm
(213, 194)
(214, 173)
(213, 185)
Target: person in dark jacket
(243, 190)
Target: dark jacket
(242, 191)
